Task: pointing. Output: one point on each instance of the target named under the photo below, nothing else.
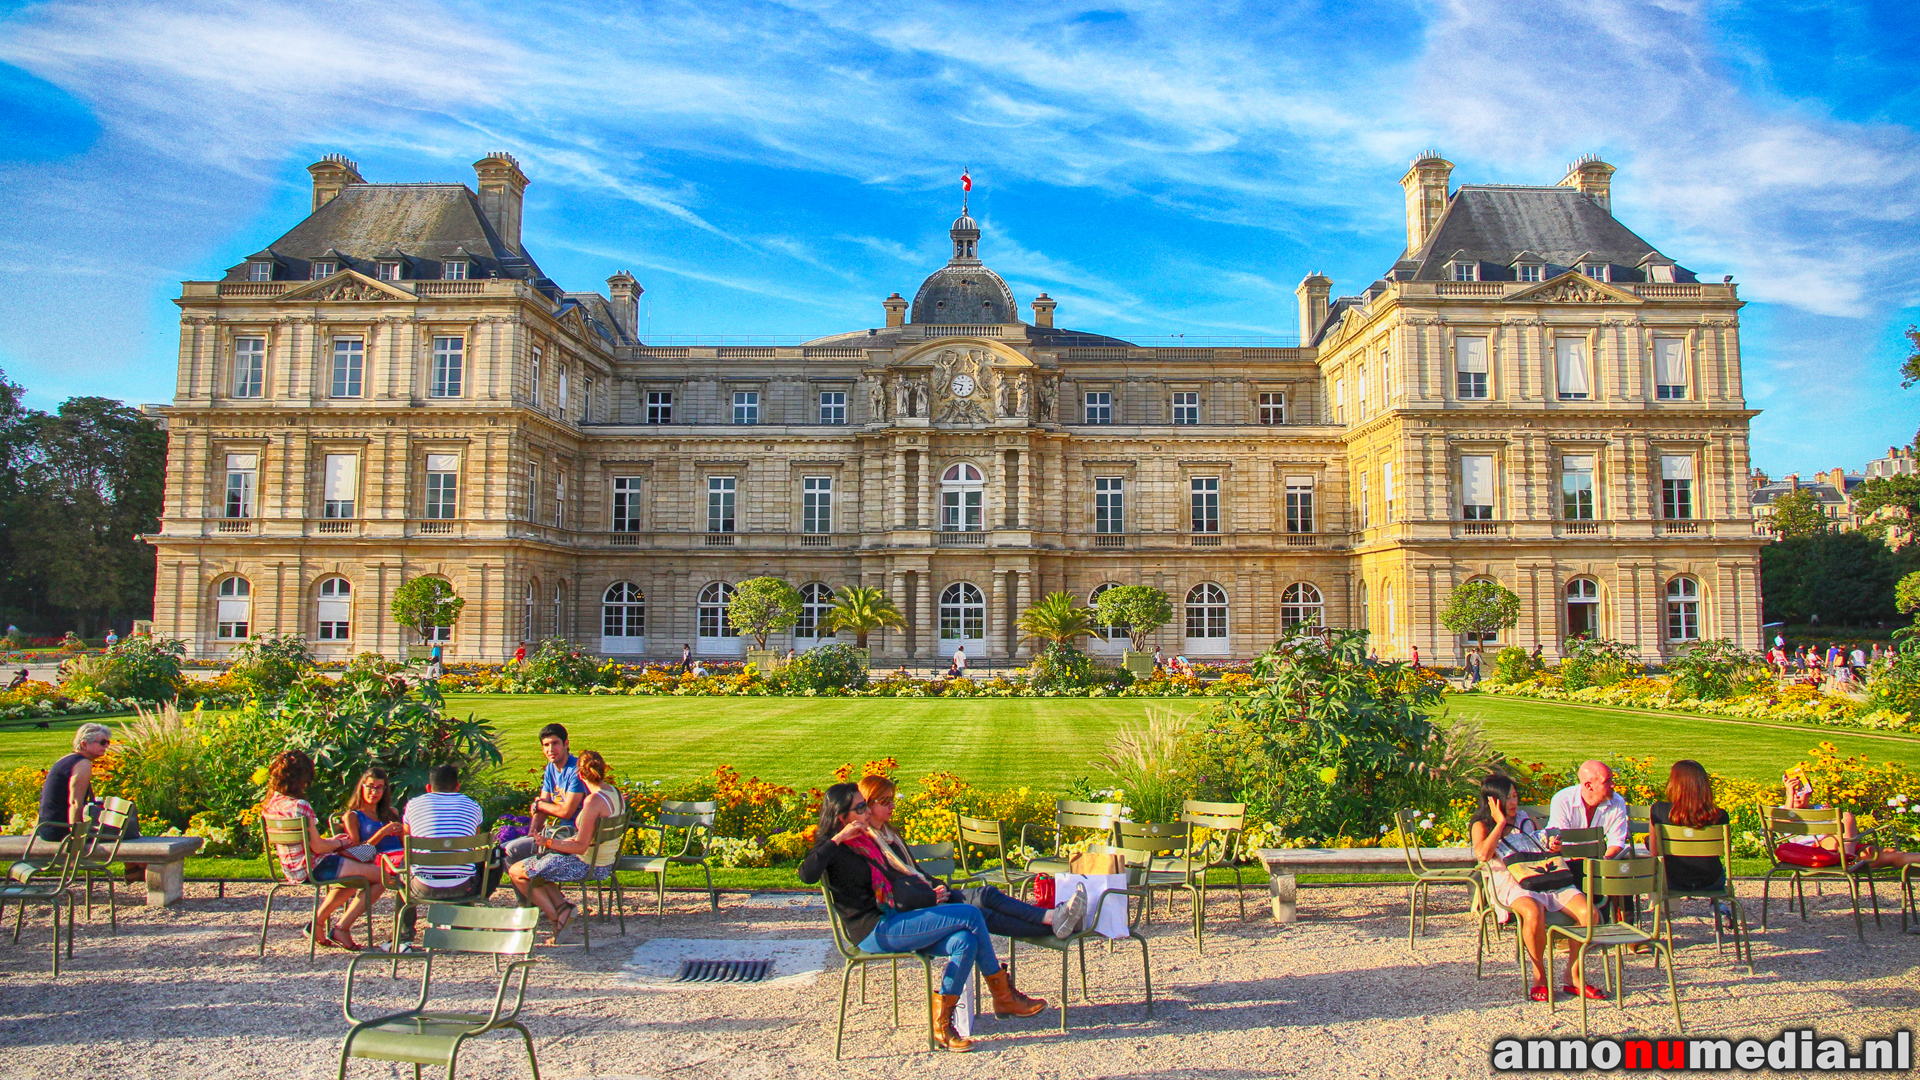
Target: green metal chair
(46, 879)
(855, 957)
(935, 860)
(1781, 821)
(102, 851)
(1424, 877)
(1491, 928)
(1639, 822)
(1173, 865)
(1136, 852)
(608, 834)
(1612, 879)
(443, 853)
(292, 832)
(695, 820)
(1906, 880)
(1229, 820)
(422, 1036)
(990, 834)
(1088, 820)
(1703, 841)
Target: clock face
(962, 386)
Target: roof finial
(966, 186)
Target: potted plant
(761, 606)
(1138, 611)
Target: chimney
(1313, 293)
(1759, 479)
(896, 310)
(625, 292)
(502, 186)
(1043, 306)
(1426, 188)
(1592, 178)
(1793, 481)
(331, 175)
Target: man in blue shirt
(561, 793)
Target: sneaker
(1068, 916)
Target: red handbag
(1812, 856)
(1043, 891)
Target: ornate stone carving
(920, 397)
(902, 397)
(1574, 292)
(1044, 400)
(348, 290)
(876, 400)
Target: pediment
(346, 286)
(1574, 287)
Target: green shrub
(829, 667)
(1144, 761)
(20, 793)
(267, 664)
(156, 762)
(558, 664)
(1060, 666)
(1512, 665)
(1712, 669)
(142, 668)
(1597, 662)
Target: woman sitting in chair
(371, 821)
(1501, 832)
(287, 781)
(865, 885)
(1800, 797)
(1006, 916)
(1689, 802)
(538, 879)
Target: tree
(1142, 609)
(1799, 513)
(762, 605)
(1907, 596)
(1843, 578)
(1480, 609)
(424, 603)
(862, 609)
(1910, 367)
(1901, 492)
(1057, 620)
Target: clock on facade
(962, 385)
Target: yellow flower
(260, 775)
(1328, 775)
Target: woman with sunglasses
(862, 884)
(371, 821)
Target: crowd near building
(1530, 393)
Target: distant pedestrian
(686, 658)
(112, 638)
(1859, 657)
(1473, 669)
(520, 654)
(1778, 641)
(436, 664)
(1416, 656)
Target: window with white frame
(1683, 609)
(816, 602)
(1676, 487)
(1099, 407)
(1273, 408)
(1360, 401)
(1576, 487)
(714, 621)
(559, 625)
(626, 504)
(1203, 495)
(1109, 504)
(816, 504)
(341, 481)
(720, 495)
(1595, 270)
(1206, 612)
(1466, 271)
(963, 614)
(389, 271)
(1299, 504)
(324, 269)
(533, 491)
(443, 486)
(1571, 368)
(260, 270)
(1476, 487)
(623, 615)
(533, 395)
(1339, 401)
(349, 367)
(233, 609)
(1364, 503)
(746, 406)
(449, 367)
(1301, 605)
(334, 610)
(1115, 632)
(1470, 368)
(243, 477)
(1530, 271)
(1669, 369)
(249, 367)
(455, 270)
(586, 400)
(559, 498)
(962, 495)
(1583, 608)
(833, 406)
(659, 406)
(1186, 408)
(560, 393)
(526, 610)
(1386, 492)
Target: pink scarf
(864, 844)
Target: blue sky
(1159, 169)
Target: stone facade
(393, 389)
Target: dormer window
(455, 271)
(1595, 270)
(389, 271)
(1530, 271)
(324, 269)
(1466, 271)
(260, 270)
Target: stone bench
(165, 858)
(1283, 864)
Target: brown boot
(1010, 1002)
(943, 1032)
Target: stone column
(1022, 598)
(997, 615)
(1027, 518)
(899, 488)
(927, 633)
(898, 592)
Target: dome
(965, 223)
(964, 294)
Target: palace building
(1530, 393)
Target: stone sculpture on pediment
(1002, 394)
(876, 400)
(1020, 399)
(919, 387)
(1574, 292)
(349, 290)
(902, 397)
(1044, 401)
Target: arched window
(963, 617)
(1206, 618)
(623, 618)
(335, 610)
(815, 601)
(1301, 604)
(526, 610)
(1583, 608)
(1683, 609)
(233, 615)
(1116, 632)
(716, 631)
(961, 490)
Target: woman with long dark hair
(370, 818)
(862, 885)
(1501, 831)
(1689, 801)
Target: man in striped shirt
(443, 812)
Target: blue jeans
(956, 931)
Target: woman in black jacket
(862, 882)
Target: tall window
(1576, 487)
(1360, 597)
(1299, 504)
(243, 472)
(1570, 365)
(962, 489)
(449, 367)
(1339, 401)
(443, 485)
(1099, 406)
(816, 504)
(1386, 492)
(1676, 487)
(559, 498)
(1114, 631)
(1186, 408)
(526, 611)
(1683, 609)
(714, 620)
(659, 406)
(963, 614)
(341, 481)
(1109, 504)
(233, 609)
(349, 365)
(586, 400)
(249, 367)
(1583, 608)
(1361, 401)
(533, 491)
(1273, 408)
(1204, 495)
(746, 406)
(1669, 369)
(720, 496)
(623, 614)
(1470, 368)
(1301, 604)
(626, 504)
(1476, 487)
(534, 396)
(816, 600)
(833, 406)
(560, 395)
(335, 610)
(1206, 613)
(1365, 501)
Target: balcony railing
(435, 528)
(1109, 540)
(1680, 528)
(1479, 528)
(1580, 528)
(233, 526)
(816, 540)
(718, 539)
(335, 527)
(623, 539)
(957, 538)
(1303, 540)
(1205, 539)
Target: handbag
(1811, 856)
(910, 891)
(1545, 876)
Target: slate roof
(964, 293)
(430, 223)
(1493, 225)
(1827, 493)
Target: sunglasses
(859, 808)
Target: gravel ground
(180, 993)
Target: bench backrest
(470, 928)
(1694, 841)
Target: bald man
(1592, 803)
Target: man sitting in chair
(443, 813)
(1591, 804)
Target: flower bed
(744, 680)
(1798, 704)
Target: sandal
(343, 939)
(1539, 993)
(560, 925)
(1592, 992)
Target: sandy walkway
(179, 993)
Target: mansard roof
(1494, 225)
(431, 223)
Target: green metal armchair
(695, 821)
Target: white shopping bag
(963, 1011)
(1111, 916)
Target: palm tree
(1057, 620)
(862, 609)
